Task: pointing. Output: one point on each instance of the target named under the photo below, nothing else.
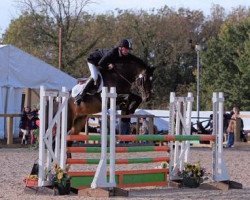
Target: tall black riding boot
(87, 88)
(78, 99)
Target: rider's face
(124, 51)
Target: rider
(104, 58)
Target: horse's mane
(138, 61)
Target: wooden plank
(10, 115)
(9, 130)
(124, 179)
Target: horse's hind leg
(69, 144)
(78, 124)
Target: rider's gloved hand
(111, 66)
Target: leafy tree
(226, 64)
(160, 37)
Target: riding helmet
(125, 43)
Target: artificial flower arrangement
(192, 175)
(61, 180)
(164, 165)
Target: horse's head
(144, 83)
(131, 72)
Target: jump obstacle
(48, 156)
(180, 123)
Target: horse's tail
(70, 113)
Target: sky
(9, 9)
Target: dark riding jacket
(96, 56)
(112, 56)
(104, 57)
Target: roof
(22, 70)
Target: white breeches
(93, 71)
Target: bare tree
(49, 16)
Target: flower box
(31, 182)
(191, 182)
(61, 180)
(192, 175)
(64, 189)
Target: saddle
(89, 89)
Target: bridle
(139, 83)
(124, 78)
(140, 80)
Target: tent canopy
(19, 69)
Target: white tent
(19, 70)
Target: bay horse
(123, 77)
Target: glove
(110, 66)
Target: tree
(160, 37)
(39, 26)
(226, 64)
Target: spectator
(243, 138)
(144, 128)
(230, 131)
(226, 119)
(27, 125)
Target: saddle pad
(77, 89)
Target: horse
(123, 77)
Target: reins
(140, 87)
(122, 77)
